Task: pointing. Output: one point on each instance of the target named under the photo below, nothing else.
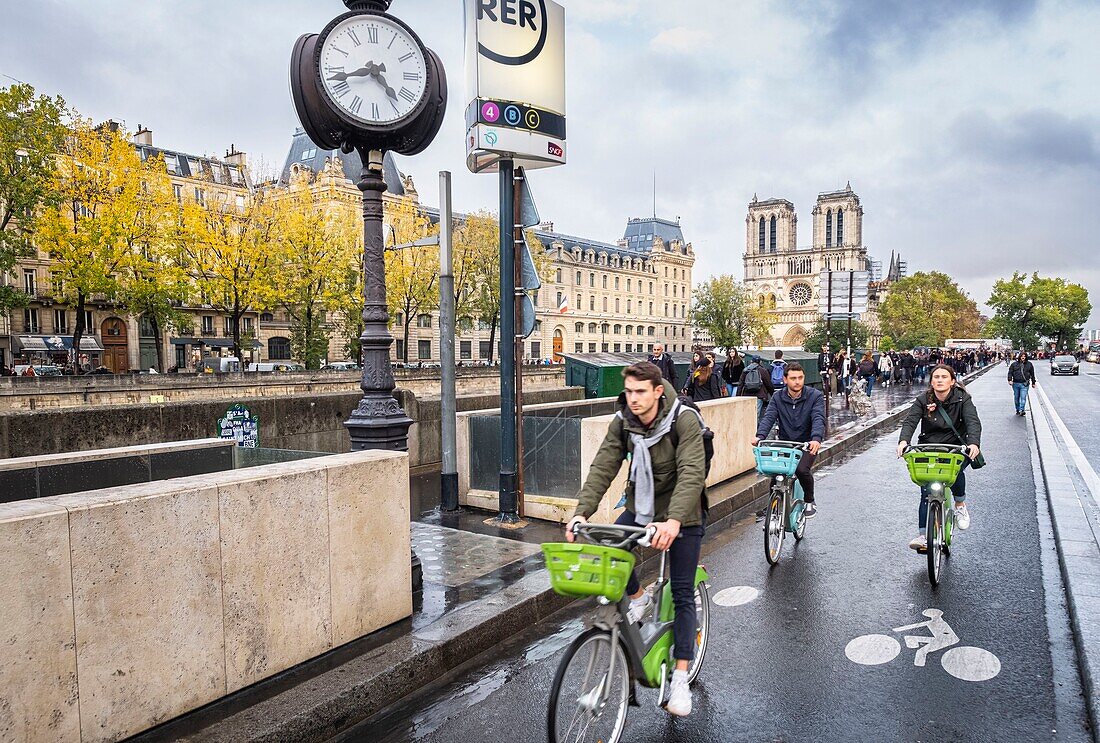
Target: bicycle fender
(701, 575)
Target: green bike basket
(588, 569)
(926, 468)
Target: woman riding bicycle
(942, 411)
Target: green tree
(317, 244)
(927, 308)
(836, 336)
(725, 309)
(1028, 311)
(32, 130)
(411, 273)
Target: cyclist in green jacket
(667, 475)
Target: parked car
(340, 366)
(40, 370)
(1093, 357)
(274, 366)
(1064, 364)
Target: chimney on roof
(234, 157)
(143, 136)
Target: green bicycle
(594, 684)
(934, 468)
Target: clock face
(373, 69)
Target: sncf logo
(512, 32)
(554, 150)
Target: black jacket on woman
(708, 390)
(934, 429)
(731, 371)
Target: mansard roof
(305, 153)
(186, 165)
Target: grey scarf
(641, 466)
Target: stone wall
(36, 393)
(733, 421)
(305, 422)
(129, 606)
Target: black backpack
(751, 381)
(708, 441)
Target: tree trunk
(158, 338)
(492, 341)
(307, 336)
(405, 348)
(78, 329)
(237, 334)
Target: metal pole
(828, 342)
(848, 341)
(448, 482)
(517, 344)
(507, 494)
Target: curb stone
(319, 708)
(1078, 557)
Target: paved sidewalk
(1075, 515)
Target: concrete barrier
(130, 606)
(733, 421)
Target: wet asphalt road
(777, 670)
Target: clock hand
(382, 80)
(367, 70)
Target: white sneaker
(679, 695)
(639, 607)
(962, 516)
(920, 543)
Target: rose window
(800, 294)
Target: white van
(219, 365)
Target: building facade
(785, 278)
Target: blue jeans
(683, 557)
(731, 389)
(1019, 395)
(958, 493)
(870, 384)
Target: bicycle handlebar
(803, 445)
(607, 534)
(937, 448)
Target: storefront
(57, 349)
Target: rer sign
(515, 82)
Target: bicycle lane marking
(736, 596)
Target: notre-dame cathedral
(785, 278)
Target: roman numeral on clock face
(412, 76)
(374, 112)
(354, 37)
(341, 89)
(408, 95)
(372, 34)
(356, 104)
(405, 57)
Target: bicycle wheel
(702, 629)
(799, 507)
(935, 541)
(774, 528)
(586, 702)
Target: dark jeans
(958, 493)
(683, 557)
(805, 476)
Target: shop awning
(57, 343)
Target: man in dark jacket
(667, 472)
(763, 392)
(663, 361)
(1021, 373)
(800, 412)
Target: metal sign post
(448, 482)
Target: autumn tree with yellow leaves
(411, 273)
(317, 252)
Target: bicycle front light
(937, 487)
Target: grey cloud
(1035, 138)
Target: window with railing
(60, 322)
(30, 282)
(30, 320)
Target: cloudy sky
(969, 128)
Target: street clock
(367, 82)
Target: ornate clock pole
(367, 83)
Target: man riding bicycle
(663, 441)
(800, 412)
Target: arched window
(559, 275)
(829, 228)
(267, 317)
(839, 226)
(761, 248)
(278, 349)
(629, 329)
(605, 328)
(774, 241)
(591, 327)
(580, 327)
(578, 278)
(618, 329)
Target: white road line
(1087, 472)
(736, 596)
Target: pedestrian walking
(824, 367)
(779, 368)
(755, 382)
(704, 384)
(732, 369)
(885, 368)
(1021, 375)
(867, 370)
(663, 361)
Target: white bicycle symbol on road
(962, 662)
